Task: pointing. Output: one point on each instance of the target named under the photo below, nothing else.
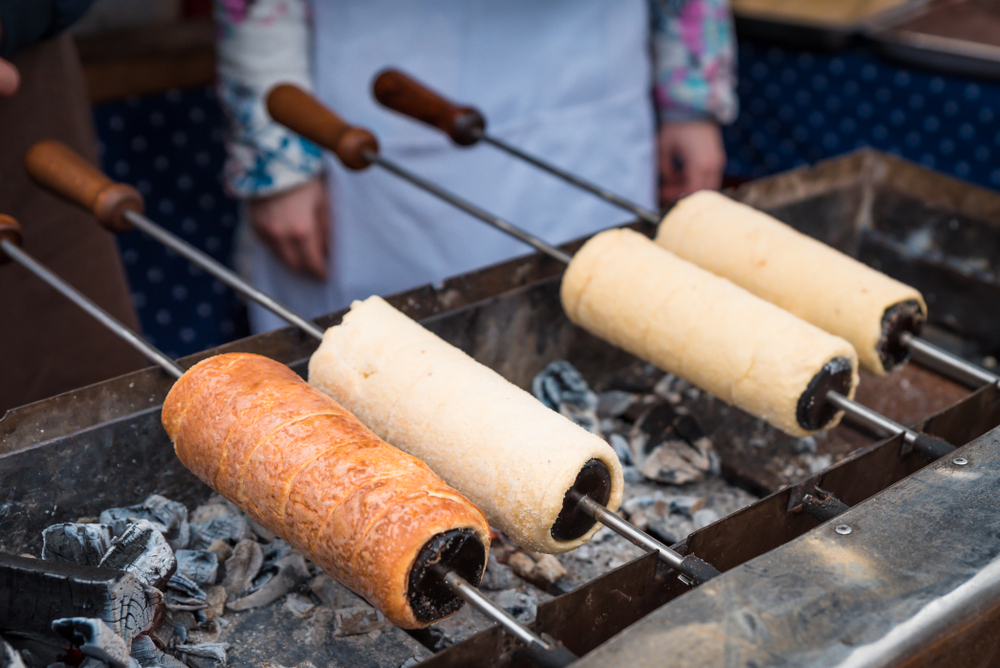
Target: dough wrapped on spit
(513, 457)
(299, 464)
(798, 273)
(624, 288)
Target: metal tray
(899, 39)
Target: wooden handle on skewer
(10, 230)
(62, 170)
(303, 114)
(401, 93)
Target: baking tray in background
(816, 24)
(950, 36)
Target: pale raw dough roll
(513, 457)
(801, 275)
(624, 288)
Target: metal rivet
(843, 529)
(960, 461)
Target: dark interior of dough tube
(814, 411)
(594, 480)
(459, 550)
(902, 317)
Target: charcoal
(620, 445)
(242, 567)
(521, 564)
(61, 589)
(704, 517)
(273, 582)
(146, 655)
(230, 528)
(170, 517)
(521, 605)
(331, 593)
(201, 566)
(806, 445)
(216, 599)
(91, 662)
(549, 569)
(299, 605)
(411, 662)
(686, 505)
(561, 387)
(144, 651)
(274, 551)
(662, 531)
(497, 576)
(221, 550)
(143, 551)
(677, 462)
(631, 474)
(95, 639)
(84, 544)
(262, 533)
(9, 657)
(184, 594)
(615, 403)
(356, 620)
(206, 655)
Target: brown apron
(47, 344)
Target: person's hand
(294, 225)
(10, 78)
(691, 158)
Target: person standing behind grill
(566, 79)
(49, 345)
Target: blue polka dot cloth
(798, 106)
(170, 147)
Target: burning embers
(106, 593)
(155, 585)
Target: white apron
(569, 80)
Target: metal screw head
(960, 461)
(843, 529)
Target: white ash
(299, 605)
(10, 657)
(206, 655)
(200, 566)
(169, 517)
(273, 582)
(356, 620)
(76, 543)
(143, 551)
(185, 594)
(94, 639)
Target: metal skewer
(930, 447)
(10, 241)
(119, 206)
(944, 362)
(466, 126)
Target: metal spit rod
(472, 209)
(466, 126)
(941, 360)
(95, 311)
